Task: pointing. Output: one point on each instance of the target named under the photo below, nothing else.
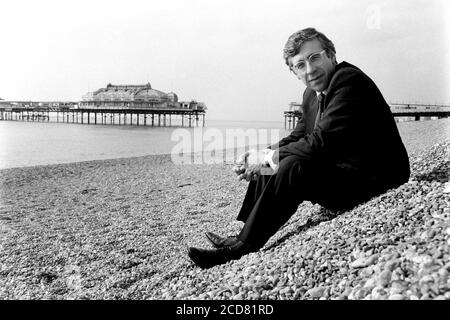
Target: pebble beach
(119, 229)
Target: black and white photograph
(225, 155)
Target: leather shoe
(205, 258)
(218, 241)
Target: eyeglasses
(314, 59)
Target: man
(345, 149)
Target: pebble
(396, 296)
(397, 287)
(426, 279)
(391, 265)
(238, 296)
(384, 278)
(364, 262)
(370, 283)
(423, 260)
(358, 294)
(395, 246)
(447, 188)
(316, 292)
(286, 290)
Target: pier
(399, 110)
(161, 117)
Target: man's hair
(297, 39)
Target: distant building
(135, 97)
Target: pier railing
(409, 111)
(154, 117)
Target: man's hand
(250, 164)
(240, 166)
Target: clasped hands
(253, 163)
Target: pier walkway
(154, 117)
(399, 110)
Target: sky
(227, 54)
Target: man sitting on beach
(345, 149)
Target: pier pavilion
(135, 97)
(114, 104)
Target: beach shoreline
(55, 147)
(119, 229)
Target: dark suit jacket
(357, 131)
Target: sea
(25, 143)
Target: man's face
(316, 77)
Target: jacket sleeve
(296, 134)
(336, 128)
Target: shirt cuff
(268, 159)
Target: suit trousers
(272, 199)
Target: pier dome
(151, 95)
(130, 96)
(172, 97)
